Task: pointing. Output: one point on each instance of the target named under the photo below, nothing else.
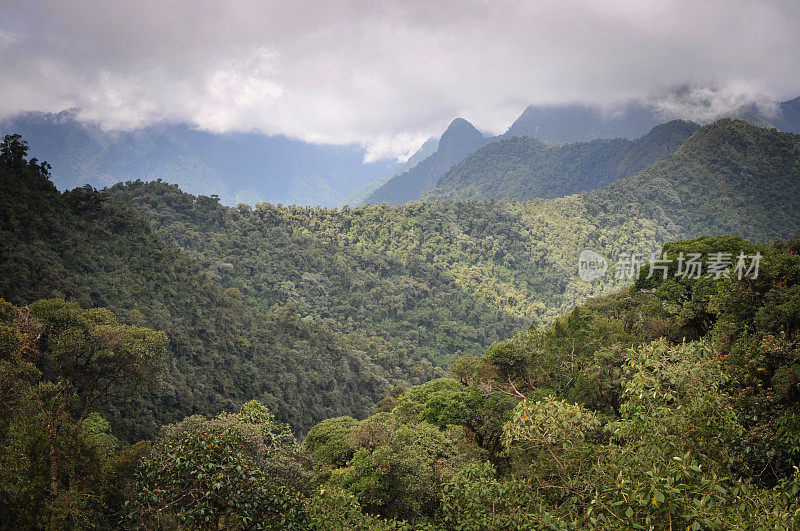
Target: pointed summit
(460, 126)
(459, 140)
(459, 132)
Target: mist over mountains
(252, 167)
(238, 167)
(577, 123)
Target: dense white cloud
(384, 74)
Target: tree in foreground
(241, 470)
(58, 362)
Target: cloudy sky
(383, 74)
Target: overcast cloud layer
(387, 75)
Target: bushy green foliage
(753, 322)
(441, 402)
(757, 330)
(398, 467)
(234, 471)
(664, 462)
(476, 498)
(551, 442)
(335, 508)
(330, 442)
(668, 461)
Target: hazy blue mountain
(524, 168)
(459, 140)
(788, 117)
(577, 123)
(238, 167)
(250, 167)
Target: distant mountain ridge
(579, 122)
(524, 168)
(238, 167)
(564, 123)
(251, 168)
(788, 116)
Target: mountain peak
(459, 130)
(459, 140)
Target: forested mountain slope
(524, 168)
(436, 279)
(80, 247)
(730, 177)
(359, 299)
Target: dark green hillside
(395, 273)
(523, 168)
(731, 177)
(83, 248)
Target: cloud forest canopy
(703, 432)
(333, 314)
